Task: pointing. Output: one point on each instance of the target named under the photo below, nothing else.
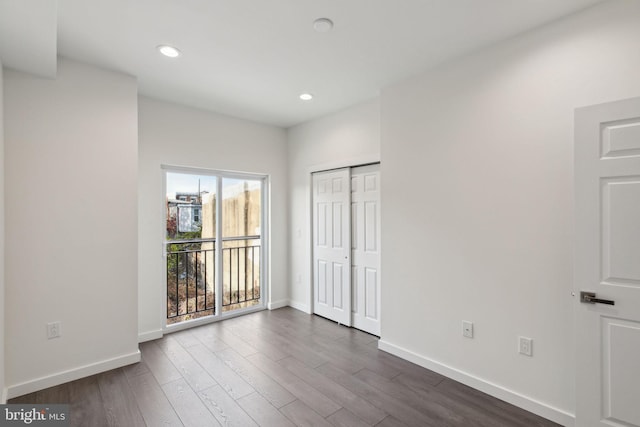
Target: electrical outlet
(525, 346)
(53, 330)
(467, 329)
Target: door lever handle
(590, 298)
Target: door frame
(352, 162)
(265, 278)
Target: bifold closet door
(331, 245)
(365, 248)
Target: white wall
(71, 224)
(347, 138)
(180, 136)
(2, 322)
(477, 212)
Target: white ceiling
(252, 58)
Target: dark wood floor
(275, 368)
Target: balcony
(192, 277)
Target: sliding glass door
(214, 243)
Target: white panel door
(331, 245)
(607, 264)
(365, 248)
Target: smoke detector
(323, 25)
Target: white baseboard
(71, 375)
(3, 400)
(539, 408)
(150, 336)
(299, 306)
(278, 304)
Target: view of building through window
(206, 276)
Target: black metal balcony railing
(191, 276)
(240, 259)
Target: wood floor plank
(119, 402)
(389, 404)
(433, 408)
(298, 349)
(476, 416)
(323, 346)
(393, 362)
(30, 398)
(188, 367)
(224, 408)
(305, 392)
(263, 412)
(356, 354)
(303, 416)
(351, 401)
(359, 337)
(344, 418)
(57, 394)
(257, 339)
(231, 382)
(187, 404)
(296, 327)
(410, 369)
(185, 338)
(275, 393)
(391, 422)
(288, 322)
(495, 408)
(135, 369)
(277, 335)
(85, 403)
(344, 355)
(159, 365)
(328, 328)
(231, 339)
(209, 339)
(154, 405)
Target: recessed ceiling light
(306, 97)
(323, 25)
(169, 51)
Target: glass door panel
(190, 245)
(241, 243)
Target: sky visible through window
(188, 183)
